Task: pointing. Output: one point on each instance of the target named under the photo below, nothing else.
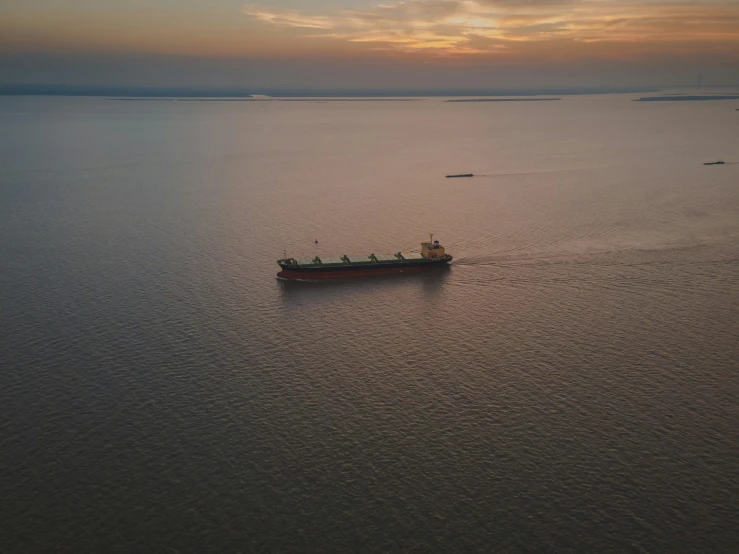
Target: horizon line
(14, 89)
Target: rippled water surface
(570, 383)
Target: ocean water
(569, 384)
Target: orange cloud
(453, 31)
(460, 27)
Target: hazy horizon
(258, 93)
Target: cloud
(454, 27)
(289, 18)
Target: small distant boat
(714, 163)
(460, 175)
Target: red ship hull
(310, 275)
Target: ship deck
(360, 259)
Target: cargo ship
(432, 256)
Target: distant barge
(432, 256)
(460, 175)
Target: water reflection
(430, 281)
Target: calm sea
(570, 383)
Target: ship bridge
(432, 249)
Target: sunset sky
(371, 44)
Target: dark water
(569, 384)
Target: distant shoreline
(504, 100)
(17, 89)
(159, 99)
(676, 98)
